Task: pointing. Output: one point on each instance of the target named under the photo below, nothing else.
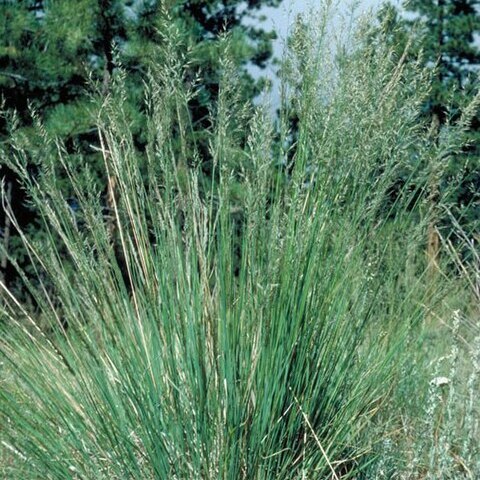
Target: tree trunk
(106, 29)
(433, 238)
(6, 238)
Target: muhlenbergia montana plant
(245, 325)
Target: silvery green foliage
(248, 327)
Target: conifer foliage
(52, 51)
(449, 29)
(446, 33)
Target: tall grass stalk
(245, 326)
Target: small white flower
(440, 381)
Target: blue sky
(281, 18)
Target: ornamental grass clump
(235, 312)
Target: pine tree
(445, 32)
(51, 50)
(448, 29)
(47, 51)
